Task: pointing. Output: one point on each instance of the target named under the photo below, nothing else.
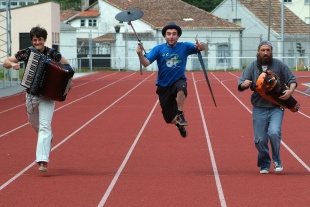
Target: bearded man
(267, 117)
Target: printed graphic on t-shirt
(265, 67)
(172, 63)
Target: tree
(207, 5)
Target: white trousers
(40, 113)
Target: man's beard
(264, 60)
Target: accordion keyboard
(30, 70)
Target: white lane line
(287, 147)
(1, 112)
(76, 131)
(214, 167)
(8, 132)
(22, 93)
(305, 115)
(120, 169)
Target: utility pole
(269, 9)
(6, 31)
(90, 58)
(282, 28)
(5, 34)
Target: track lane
(23, 143)
(243, 180)
(163, 169)
(295, 128)
(78, 170)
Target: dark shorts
(167, 97)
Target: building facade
(14, 3)
(21, 25)
(300, 8)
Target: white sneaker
(264, 171)
(277, 167)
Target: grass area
(7, 74)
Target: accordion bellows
(270, 87)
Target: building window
(53, 37)
(237, 21)
(30, 3)
(92, 23)
(307, 1)
(222, 53)
(3, 3)
(22, 3)
(287, 1)
(82, 22)
(13, 3)
(57, 37)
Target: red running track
(111, 147)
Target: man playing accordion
(267, 117)
(40, 109)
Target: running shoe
(264, 171)
(182, 130)
(277, 167)
(43, 166)
(181, 120)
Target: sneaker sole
(43, 169)
(264, 172)
(184, 136)
(278, 170)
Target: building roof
(88, 13)
(108, 37)
(159, 13)
(66, 14)
(292, 25)
(66, 27)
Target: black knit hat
(171, 25)
(264, 42)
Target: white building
(21, 25)
(254, 17)
(223, 37)
(16, 3)
(68, 46)
(300, 8)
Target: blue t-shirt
(171, 61)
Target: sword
(205, 72)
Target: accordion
(270, 87)
(46, 77)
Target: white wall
(19, 3)
(84, 32)
(126, 49)
(21, 23)
(253, 26)
(108, 21)
(300, 9)
(68, 47)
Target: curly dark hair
(38, 32)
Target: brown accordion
(270, 87)
(47, 77)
